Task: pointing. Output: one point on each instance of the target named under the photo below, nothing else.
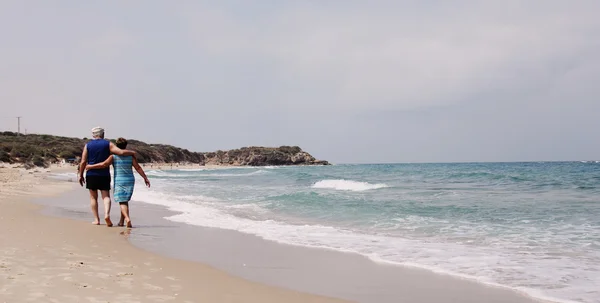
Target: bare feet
(121, 224)
(129, 224)
(108, 222)
(96, 222)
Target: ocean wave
(347, 185)
(258, 172)
(528, 227)
(64, 176)
(445, 258)
(158, 173)
(200, 174)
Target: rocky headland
(41, 150)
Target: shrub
(38, 161)
(69, 152)
(5, 157)
(47, 148)
(22, 151)
(141, 158)
(290, 149)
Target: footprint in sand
(36, 296)
(124, 281)
(82, 284)
(100, 275)
(152, 287)
(160, 298)
(175, 287)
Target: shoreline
(175, 166)
(361, 277)
(299, 268)
(52, 259)
(67, 167)
(355, 270)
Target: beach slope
(48, 259)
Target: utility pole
(18, 126)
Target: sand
(49, 259)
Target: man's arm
(140, 171)
(120, 152)
(82, 165)
(104, 164)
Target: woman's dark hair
(121, 143)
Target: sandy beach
(55, 259)
(48, 259)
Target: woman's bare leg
(125, 213)
(122, 218)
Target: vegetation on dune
(42, 150)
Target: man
(96, 151)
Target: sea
(532, 227)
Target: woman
(124, 180)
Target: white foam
(505, 262)
(200, 173)
(347, 185)
(64, 176)
(495, 265)
(158, 173)
(258, 172)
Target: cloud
(349, 81)
(107, 44)
(394, 56)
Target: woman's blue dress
(124, 179)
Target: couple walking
(98, 155)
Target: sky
(348, 81)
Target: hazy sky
(348, 81)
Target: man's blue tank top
(98, 152)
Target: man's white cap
(97, 131)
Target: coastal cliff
(261, 156)
(41, 150)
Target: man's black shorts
(97, 182)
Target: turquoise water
(534, 227)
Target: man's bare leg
(106, 199)
(125, 214)
(94, 206)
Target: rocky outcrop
(262, 156)
(40, 150)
